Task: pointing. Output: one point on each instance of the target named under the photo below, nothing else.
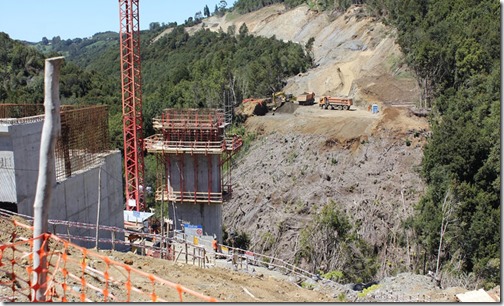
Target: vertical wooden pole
(185, 243)
(46, 176)
(193, 255)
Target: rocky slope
(354, 54)
(366, 163)
(305, 157)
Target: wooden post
(113, 241)
(185, 243)
(46, 175)
(193, 255)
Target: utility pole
(46, 176)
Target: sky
(30, 20)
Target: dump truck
(339, 103)
(306, 98)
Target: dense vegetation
(454, 46)
(246, 6)
(331, 243)
(21, 73)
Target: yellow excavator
(279, 98)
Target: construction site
(194, 155)
(356, 144)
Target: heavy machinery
(278, 99)
(338, 103)
(306, 98)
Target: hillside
(305, 158)
(354, 55)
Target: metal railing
(175, 246)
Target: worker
(215, 246)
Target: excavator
(260, 106)
(278, 99)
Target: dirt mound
(252, 108)
(287, 108)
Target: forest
(452, 45)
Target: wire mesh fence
(76, 274)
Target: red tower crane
(131, 81)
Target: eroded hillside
(354, 54)
(304, 158)
(366, 163)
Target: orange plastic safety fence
(76, 274)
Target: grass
(367, 291)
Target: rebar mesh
(83, 140)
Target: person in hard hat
(215, 246)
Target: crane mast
(131, 83)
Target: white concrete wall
(19, 145)
(73, 199)
(76, 199)
(207, 215)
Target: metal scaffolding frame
(200, 134)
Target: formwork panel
(194, 178)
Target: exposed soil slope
(368, 163)
(354, 55)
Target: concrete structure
(75, 197)
(193, 150)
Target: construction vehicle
(338, 103)
(257, 107)
(306, 98)
(278, 99)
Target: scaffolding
(194, 151)
(84, 139)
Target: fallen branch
(248, 292)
